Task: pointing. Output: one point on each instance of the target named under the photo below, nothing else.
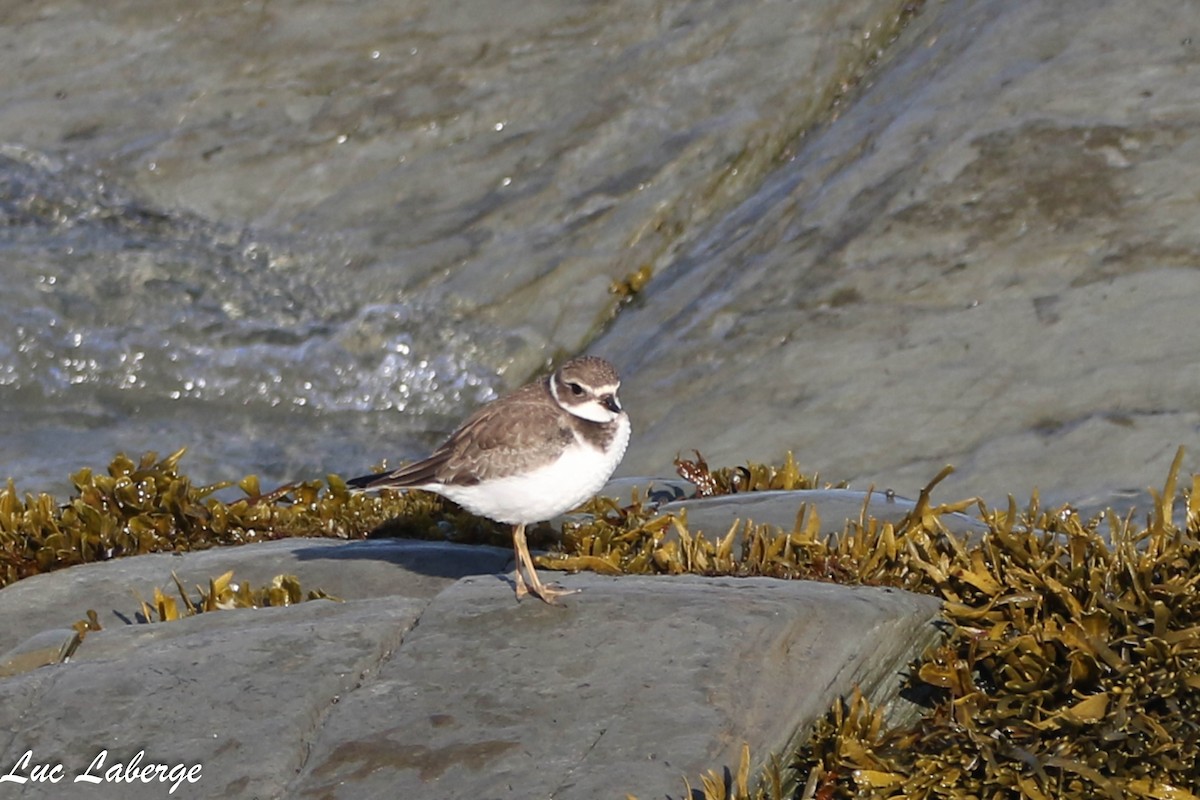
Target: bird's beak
(611, 403)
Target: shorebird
(528, 456)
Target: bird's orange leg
(521, 550)
(547, 593)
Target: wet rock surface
(428, 132)
(983, 261)
(226, 236)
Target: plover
(528, 456)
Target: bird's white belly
(545, 492)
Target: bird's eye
(576, 389)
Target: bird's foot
(550, 592)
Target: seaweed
(149, 506)
(222, 594)
(1072, 668)
(750, 477)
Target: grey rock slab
(455, 690)
(656, 490)
(348, 570)
(987, 259)
(629, 686)
(239, 693)
(715, 515)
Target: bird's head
(587, 387)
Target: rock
(424, 685)
(238, 692)
(348, 570)
(630, 687)
(715, 515)
(984, 260)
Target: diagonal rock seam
(566, 780)
(308, 737)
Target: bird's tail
(372, 481)
(409, 476)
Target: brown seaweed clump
(637, 539)
(1072, 669)
(222, 593)
(150, 506)
(750, 477)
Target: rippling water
(126, 329)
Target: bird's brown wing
(503, 438)
(497, 439)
